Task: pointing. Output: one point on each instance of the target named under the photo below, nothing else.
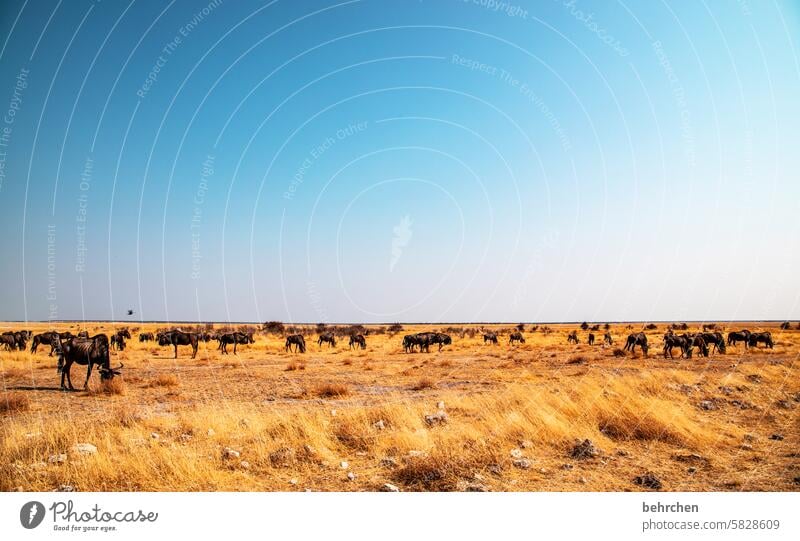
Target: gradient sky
(379, 161)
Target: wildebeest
(118, 339)
(672, 341)
(8, 340)
(48, 338)
(572, 338)
(715, 340)
(410, 341)
(85, 352)
(761, 338)
(146, 337)
(741, 336)
(607, 339)
(234, 338)
(490, 337)
(591, 339)
(296, 340)
(358, 340)
(177, 338)
(441, 339)
(698, 342)
(636, 339)
(327, 338)
(516, 337)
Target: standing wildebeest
(672, 340)
(490, 337)
(86, 352)
(516, 337)
(177, 338)
(146, 337)
(410, 341)
(48, 339)
(328, 338)
(572, 338)
(761, 337)
(591, 339)
(715, 340)
(441, 339)
(298, 341)
(637, 339)
(607, 339)
(234, 338)
(118, 339)
(8, 340)
(697, 341)
(741, 336)
(358, 340)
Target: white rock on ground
(84, 449)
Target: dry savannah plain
(471, 417)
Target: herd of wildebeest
(86, 350)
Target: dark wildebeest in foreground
(672, 340)
(636, 339)
(698, 342)
(607, 339)
(234, 338)
(410, 341)
(741, 336)
(297, 341)
(715, 340)
(761, 338)
(358, 340)
(327, 338)
(490, 337)
(48, 338)
(591, 339)
(146, 337)
(572, 338)
(177, 338)
(85, 352)
(516, 337)
(8, 340)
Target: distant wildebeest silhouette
(234, 338)
(85, 352)
(48, 339)
(177, 338)
(490, 337)
(146, 337)
(358, 340)
(591, 339)
(761, 338)
(636, 339)
(297, 341)
(516, 337)
(709, 326)
(741, 336)
(327, 338)
(607, 339)
(715, 340)
(118, 339)
(572, 338)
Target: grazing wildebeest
(761, 338)
(591, 339)
(358, 340)
(672, 340)
(516, 337)
(636, 339)
(490, 337)
(327, 338)
(715, 340)
(85, 352)
(607, 339)
(441, 339)
(572, 338)
(410, 341)
(48, 339)
(296, 340)
(698, 342)
(118, 339)
(8, 340)
(741, 336)
(234, 338)
(146, 337)
(177, 338)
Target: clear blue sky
(456, 160)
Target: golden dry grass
(471, 417)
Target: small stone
(476, 487)
(526, 444)
(776, 437)
(344, 464)
(388, 462)
(543, 471)
(185, 438)
(749, 437)
(516, 453)
(495, 469)
(210, 432)
(388, 487)
(584, 449)
(691, 469)
(746, 447)
(379, 425)
(59, 458)
(414, 453)
(784, 404)
(582, 480)
(333, 413)
(567, 466)
(351, 476)
(84, 449)
(438, 418)
(229, 453)
(648, 480)
(66, 488)
(245, 465)
(622, 452)
(155, 436)
(707, 405)
(522, 463)
(292, 481)
(440, 405)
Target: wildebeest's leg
(194, 349)
(68, 369)
(176, 350)
(64, 375)
(88, 373)
(234, 346)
